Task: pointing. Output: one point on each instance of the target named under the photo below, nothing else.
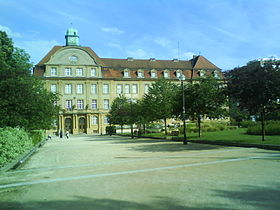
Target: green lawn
(236, 135)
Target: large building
(88, 84)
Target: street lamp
(182, 79)
(131, 123)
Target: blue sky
(227, 32)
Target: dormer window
(140, 74)
(153, 74)
(216, 75)
(201, 73)
(166, 74)
(126, 73)
(178, 73)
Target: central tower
(72, 37)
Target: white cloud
(162, 42)
(112, 30)
(10, 32)
(139, 53)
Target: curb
(23, 158)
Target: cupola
(72, 37)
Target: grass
(237, 135)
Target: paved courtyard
(102, 172)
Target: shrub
(271, 128)
(13, 142)
(111, 130)
(247, 123)
(37, 136)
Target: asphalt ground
(102, 172)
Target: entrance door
(82, 125)
(68, 125)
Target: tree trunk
(263, 125)
(199, 126)
(165, 126)
(121, 128)
(144, 128)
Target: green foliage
(24, 102)
(13, 142)
(271, 128)
(111, 129)
(37, 136)
(247, 123)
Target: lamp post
(131, 124)
(182, 79)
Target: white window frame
(68, 104)
(80, 104)
(153, 74)
(68, 89)
(93, 72)
(68, 72)
(140, 74)
(94, 103)
(106, 89)
(94, 120)
(106, 120)
(126, 73)
(166, 74)
(106, 104)
(53, 71)
(119, 89)
(53, 88)
(178, 73)
(94, 89)
(146, 88)
(127, 89)
(79, 72)
(134, 89)
(80, 88)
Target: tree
(119, 112)
(256, 88)
(205, 98)
(159, 100)
(24, 102)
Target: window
(106, 104)
(94, 89)
(165, 74)
(53, 88)
(105, 88)
(106, 120)
(68, 71)
(94, 120)
(140, 74)
(126, 88)
(80, 88)
(119, 89)
(216, 75)
(201, 73)
(134, 89)
(93, 72)
(126, 73)
(68, 89)
(53, 71)
(178, 74)
(153, 74)
(68, 104)
(146, 88)
(80, 104)
(79, 72)
(94, 104)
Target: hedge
(271, 128)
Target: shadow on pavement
(255, 196)
(99, 204)
(169, 147)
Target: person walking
(67, 134)
(60, 134)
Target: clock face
(72, 39)
(73, 58)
